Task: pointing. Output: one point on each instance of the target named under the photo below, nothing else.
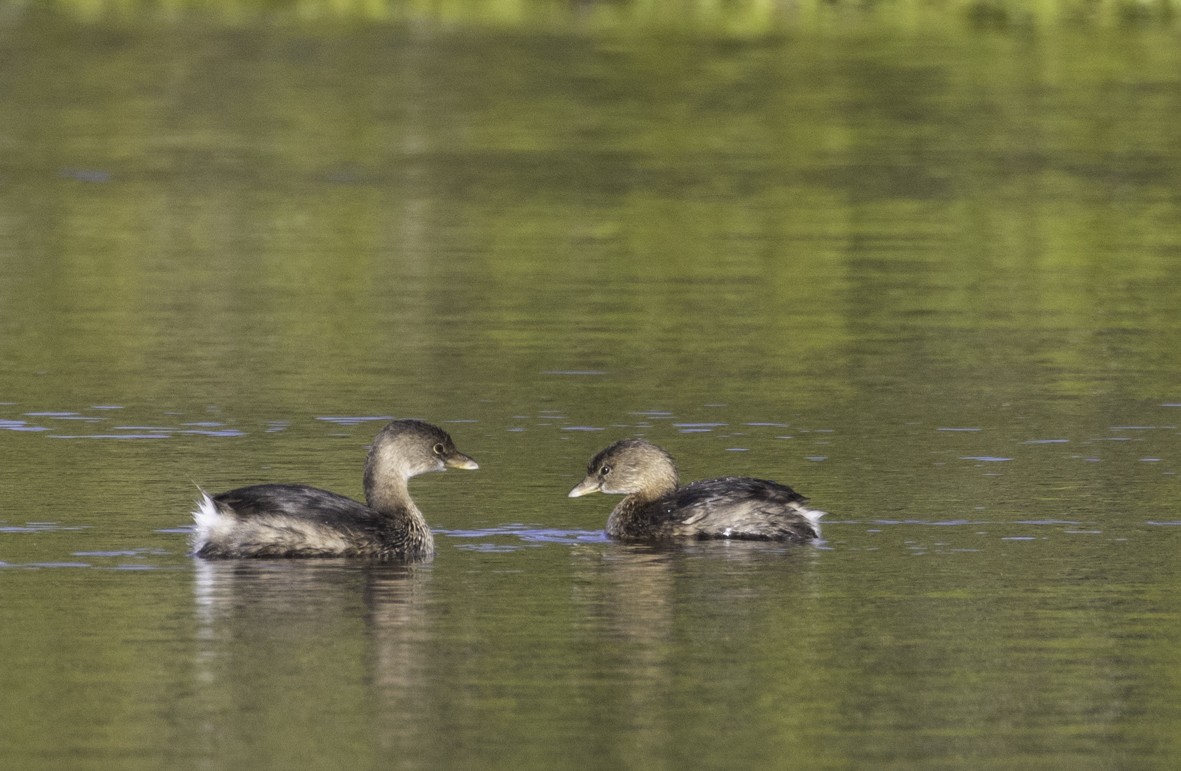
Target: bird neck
(391, 498)
(631, 516)
(660, 483)
(389, 494)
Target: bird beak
(585, 487)
(459, 460)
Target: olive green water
(929, 275)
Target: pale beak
(459, 460)
(585, 487)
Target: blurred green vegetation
(731, 17)
(171, 191)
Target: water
(926, 276)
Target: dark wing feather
(299, 502)
(733, 507)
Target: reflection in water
(674, 625)
(628, 597)
(513, 537)
(335, 633)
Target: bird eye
(440, 449)
(605, 470)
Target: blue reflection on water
(522, 536)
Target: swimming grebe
(656, 507)
(300, 521)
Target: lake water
(925, 272)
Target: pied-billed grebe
(301, 521)
(656, 507)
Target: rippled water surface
(929, 277)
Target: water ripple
(38, 527)
(524, 536)
(937, 522)
(19, 425)
(352, 420)
(110, 436)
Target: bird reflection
(350, 633)
(653, 612)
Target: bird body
(655, 506)
(287, 520)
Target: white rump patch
(212, 524)
(813, 515)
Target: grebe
(657, 507)
(277, 520)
